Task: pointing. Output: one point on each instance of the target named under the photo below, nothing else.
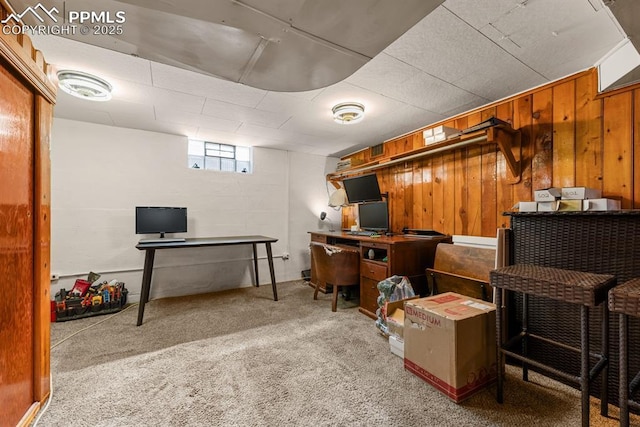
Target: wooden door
(17, 311)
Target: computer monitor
(363, 188)
(374, 216)
(156, 219)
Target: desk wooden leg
(273, 275)
(255, 263)
(146, 282)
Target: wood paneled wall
(27, 96)
(571, 136)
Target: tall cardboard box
(450, 342)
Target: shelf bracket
(510, 144)
(334, 182)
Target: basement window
(219, 157)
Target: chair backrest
(465, 261)
(462, 269)
(335, 265)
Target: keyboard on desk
(364, 233)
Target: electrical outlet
(285, 256)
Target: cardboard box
(569, 205)
(527, 206)
(601, 205)
(429, 140)
(434, 138)
(394, 316)
(439, 133)
(548, 206)
(445, 130)
(397, 346)
(547, 194)
(395, 322)
(580, 193)
(450, 342)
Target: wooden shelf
(505, 137)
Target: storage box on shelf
(568, 199)
(600, 205)
(580, 193)
(547, 194)
(507, 139)
(527, 206)
(439, 133)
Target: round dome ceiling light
(84, 85)
(348, 113)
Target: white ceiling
(464, 54)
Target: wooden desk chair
(334, 266)
(462, 269)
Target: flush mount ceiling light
(348, 113)
(84, 85)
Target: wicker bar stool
(574, 287)
(625, 300)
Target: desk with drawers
(392, 255)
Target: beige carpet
(237, 358)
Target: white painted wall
(100, 173)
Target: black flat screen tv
(157, 219)
(374, 216)
(363, 188)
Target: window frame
(220, 153)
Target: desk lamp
(323, 216)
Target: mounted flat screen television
(374, 216)
(363, 188)
(156, 219)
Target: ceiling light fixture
(348, 113)
(84, 85)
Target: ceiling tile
(479, 13)
(383, 74)
(441, 45)
(167, 77)
(66, 110)
(185, 118)
(167, 127)
(498, 76)
(109, 65)
(215, 135)
(433, 94)
(287, 102)
(127, 114)
(178, 100)
(225, 110)
(259, 133)
(572, 38)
